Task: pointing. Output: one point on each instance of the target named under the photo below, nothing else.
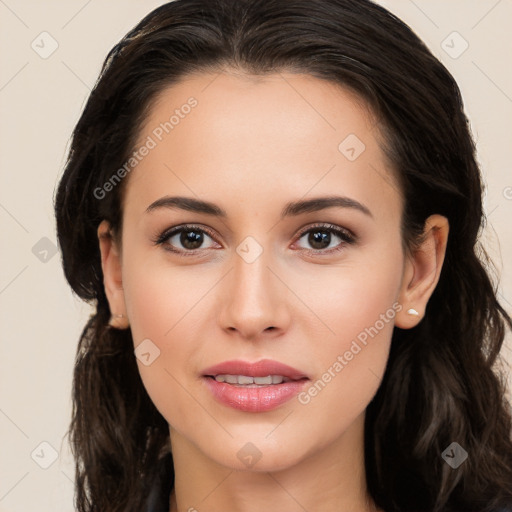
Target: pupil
(317, 239)
(191, 239)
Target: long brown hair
(443, 382)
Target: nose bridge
(255, 300)
(251, 278)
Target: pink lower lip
(264, 398)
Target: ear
(421, 273)
(112, 276)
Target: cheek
(356, 295)
(155, 299)
(364, 302)
(359, 306)
(164, 305)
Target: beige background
(40, 101)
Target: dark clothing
(161, 490)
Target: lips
(247, 387)
(261, 368)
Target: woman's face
(281, 275)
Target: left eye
(321, 237)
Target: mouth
(254, 387)
(243, 371)
(249, 381)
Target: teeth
(264, 380)
(245, 380)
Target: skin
(251, 145)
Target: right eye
(190, 237)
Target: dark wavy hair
(445, 380)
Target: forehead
(228, 135)
(249, 108)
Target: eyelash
(346, 236)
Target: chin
(257, 454)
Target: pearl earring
(413, 312)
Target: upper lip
(260, 368)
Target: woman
(274, 207)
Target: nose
(254, 300)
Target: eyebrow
(293, 208)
